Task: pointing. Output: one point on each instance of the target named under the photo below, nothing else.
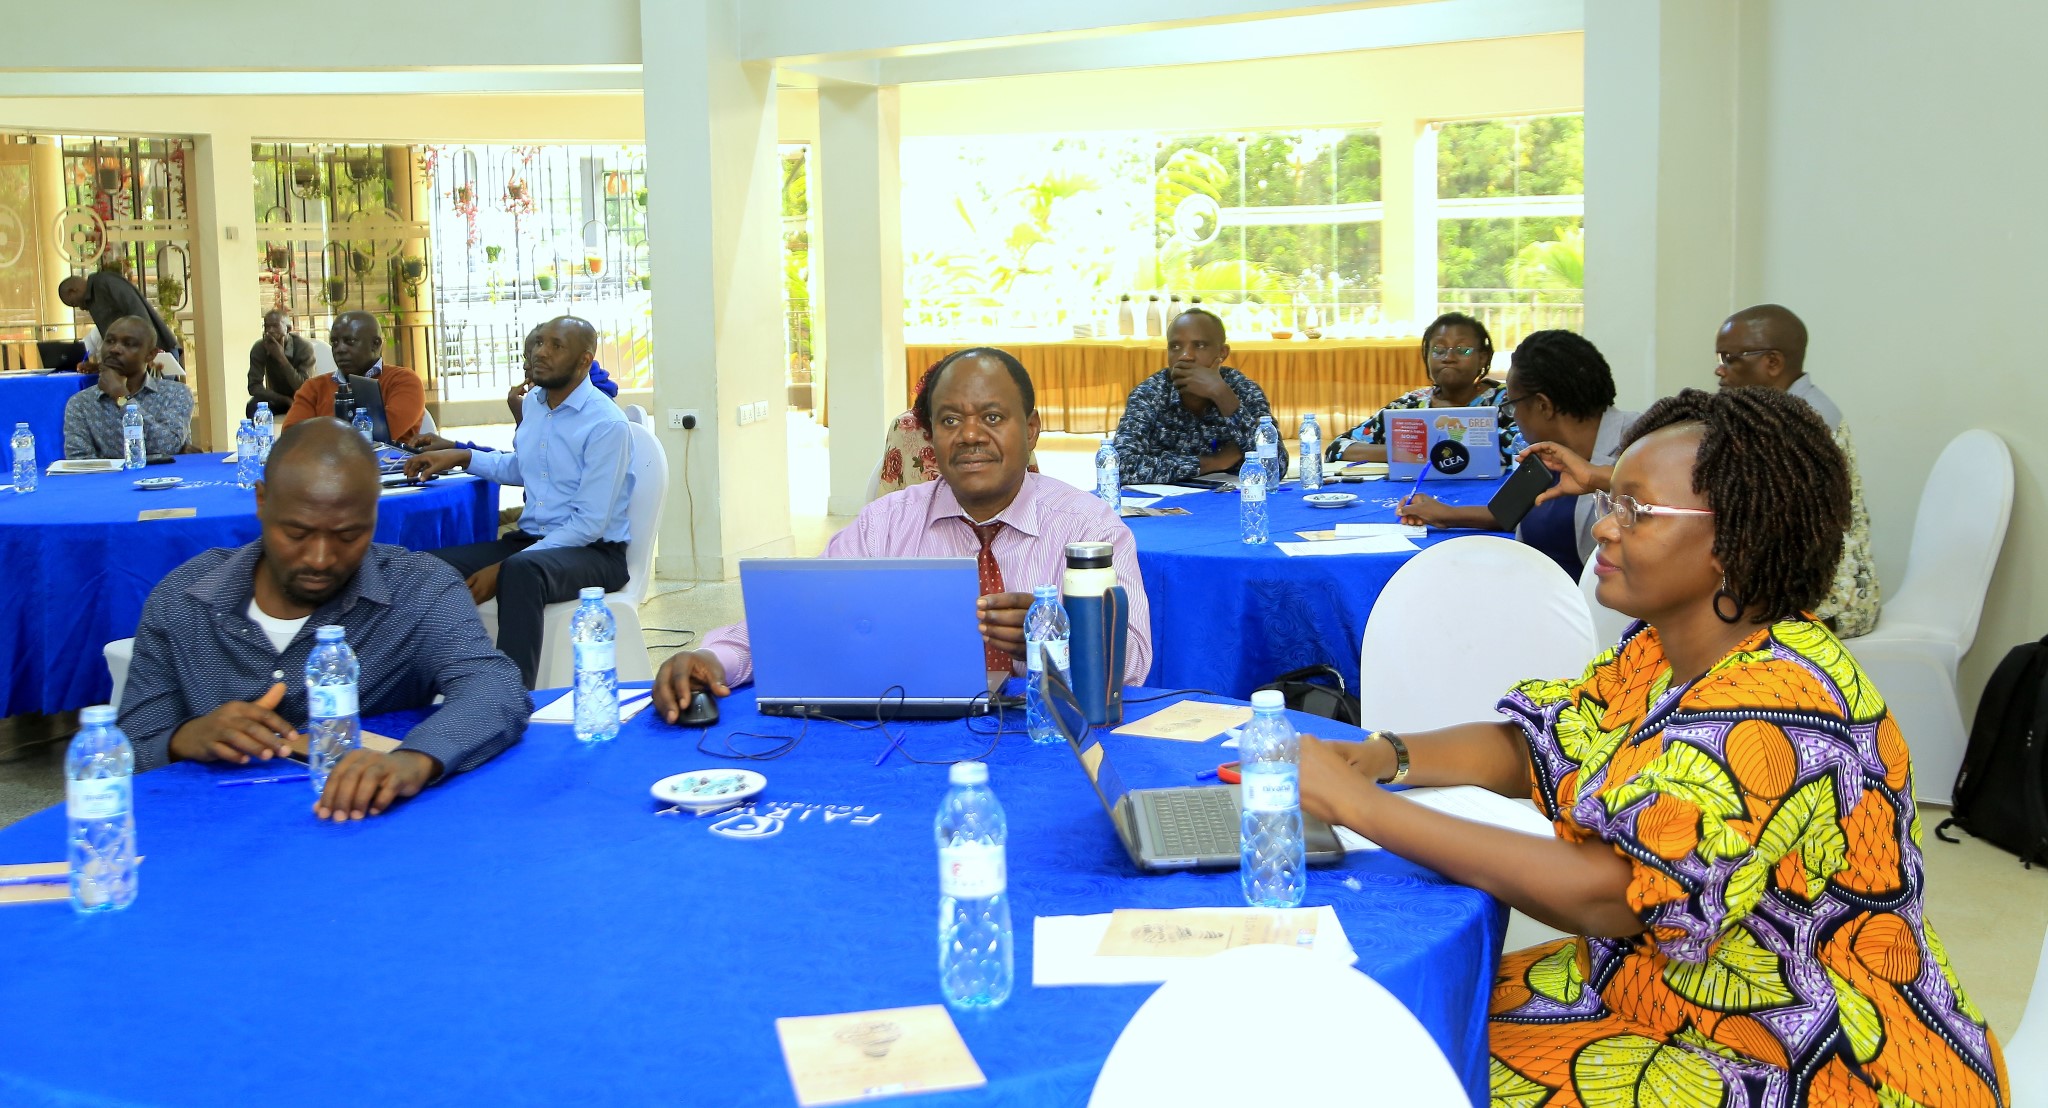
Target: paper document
(1198, 933)
(869, 1055)
(563, 708)
(1383, 544)
(18, 887)
(1317, 536)
(85, 465)
(1162, 490)
(165, 513)
(1379, 530)
(1068, 950)
(1189, 721)
(1467, 802)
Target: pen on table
(282, 777)
(1206, 775)
(37, 879)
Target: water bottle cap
(968, 773)
(333, 632)
(248, 423)
(1269, 700)
(1089, 555)
(96, 715)
(21, 426)
(1046, 592)
(594, 592)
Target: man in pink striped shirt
(983, 416)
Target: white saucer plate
(1330, 499)
(709, 788)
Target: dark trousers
(280, 411)
(530, 580)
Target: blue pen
(38, 879)
(1206, 775)
(282, 777)
(1417, 491)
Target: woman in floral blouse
(1457, 352)
(1736, 841)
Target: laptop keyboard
(1194, 822)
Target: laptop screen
(1087, 746)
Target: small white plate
(709, 788)
(1330, 499)
(159, 482)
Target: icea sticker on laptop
(1455, 443)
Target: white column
(1398, 294)
(1422, 223)
(230, 315)
(714, 217)
(859, 259)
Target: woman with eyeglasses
(1457, 352)
(1559, 390)
(1737, 847)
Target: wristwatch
(1400, 756)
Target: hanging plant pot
(491, 253)
(515, 191)
(545, 282)
(614, 183)
(110, 179)
(640, 197)
(278, 257)
(592, 264)
(336, 290)
(358, 261)
(170, 293)
(646, 281)
(412, 270)
(305, 176)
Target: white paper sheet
(1138, 501)
(1467, 802)
(84, 465)
(1162, 490)
(563, 708)
(1378, 530)
(1383, 544)
(1063, 951)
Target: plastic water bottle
(976, 967)
(361, 422)
(99, 801)
(1269, 453)
(266, 426)
(1272, 859)
(332, 725)
(23, 445)
(134, 455)
(1109, 479)
(248, 454)
(594, 638)
(1311, 453)
(1045, 629)
(1251, 493)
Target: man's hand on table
(433, 463)
(367, 783)
(235, 732)
(680, 678)
(1229, 457)
(1002, 620)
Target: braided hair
(1568, 370)
(1779, 489)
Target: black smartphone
(1518, 495)
(158, 459)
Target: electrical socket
(760, 411)
(683, 419)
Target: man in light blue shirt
(573, 453)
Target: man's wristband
(1400, 756)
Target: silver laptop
(866, 638)
(1163, 830)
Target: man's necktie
(991, 583)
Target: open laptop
(1167, 829)
(866, 638)
(369, 396)
(1455, 443)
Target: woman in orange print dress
(1737, 847)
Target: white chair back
(2026, 1051)
(1608, 624)
(323, 358)
(118, 654)
(643, 512)
(427, 423)
(1961, 524)
(874, 488)
(1341, 1025)
(1459, 625)
(637, 415)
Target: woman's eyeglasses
(1627, 509)
(1460, 351)
(1507, 407)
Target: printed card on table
(1189, 721)
(870, 1055)
(165, 513)
(1200, 932)
(35, 893)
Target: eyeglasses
(1627, 509)
(1460, 351)
(1728, 359)
(1507, 407)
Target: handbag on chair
(1299, 689)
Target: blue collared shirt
(576, 464)
(409, 619)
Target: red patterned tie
(991, 583)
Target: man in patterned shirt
(92, 419)
(224, 638)
(1194, 417)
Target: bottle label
(331, 701)
(1270, 790)
(99, 798)
(596, 657)
(1108, 483)
(1035, 662)
(1254, 491)
(972, 871)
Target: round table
(80, 562)
(537, 931)
(38, 400)
(1228, 617)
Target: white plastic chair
(1930, 620)
(2026, 1050)
(1461, 623)
(427, 423)
(119, 653)
(874, 488)
(643, 520)
(637, 415)
(1608, 624)
(323, 358)
(1345, 1031)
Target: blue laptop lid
(854, 628)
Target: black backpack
(1298, 688)
(2001, 795)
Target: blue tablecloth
(534, 933)
(1229, 617)
(39, 401)
(79, 563)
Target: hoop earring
(1723, 593)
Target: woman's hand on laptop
(682, 675)
(1002, 620)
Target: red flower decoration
(928, 461)
(892, 465)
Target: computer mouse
(702, 711)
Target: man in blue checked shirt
(574, 454)
(222, 646)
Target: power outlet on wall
(683, 419)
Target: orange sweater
(405, 400)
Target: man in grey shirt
(278, 364)
(92, 419)
(107, 296)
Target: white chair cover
(637, 414)
(2026, 1052)
(119, 653)
(1608, 624)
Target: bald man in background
(222, 646)
(358, 344)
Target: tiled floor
(1990, 912)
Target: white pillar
(859, 258)
(1422, 223)
(714, 219)
(230, 316)
(1398, 292)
